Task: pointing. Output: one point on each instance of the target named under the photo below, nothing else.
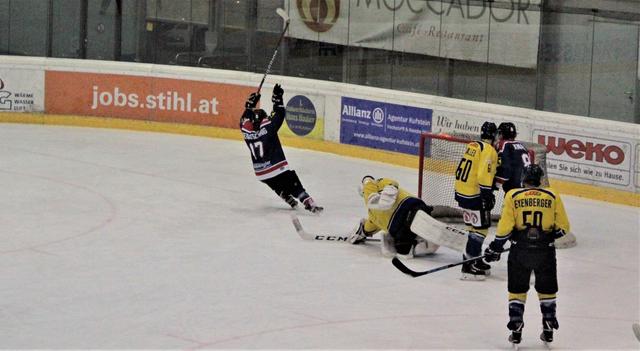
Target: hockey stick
(320, 237)
(636, 330)
(286, 20)
(408, 271)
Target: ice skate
(289, 199)
(470, 271)
(311, 206)
(516, 334)
(547, 330)
(483, 266)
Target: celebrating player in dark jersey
(269, 163)
(532, 218)
(513, 157)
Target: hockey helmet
(367, 178)
(488, 131)
(507, 131)
(533, 175)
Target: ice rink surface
(129, 240)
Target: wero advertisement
(382, 125)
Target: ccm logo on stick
(331, 238)
(583, 149)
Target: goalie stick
(320, 237)
(408, 271)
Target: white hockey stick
(282, 13)
(439, 233)
(320, 237)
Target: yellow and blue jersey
(384, 219)
(475, 172)
(532, 207)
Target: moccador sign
(321, 15)
(498, 32)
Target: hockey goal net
(439, 158)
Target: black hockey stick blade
(408, 271)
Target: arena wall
(588, 157)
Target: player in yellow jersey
(391, 209)
(532, 218)
(474, 194)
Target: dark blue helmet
(507, 131)
(488, 131)
(533, 175)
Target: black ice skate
(311, 206)
(289, 199)
(547, 330)
(483, 266)
(470, 271)
(314, 209)
(516, 333)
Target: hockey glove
(252, 101)
(488, 199)
(558, 233)
(359, 235)
(276, 98)
(490, 255)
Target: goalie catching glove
(359, 235)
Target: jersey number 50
(532, 218)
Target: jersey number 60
(464, 167)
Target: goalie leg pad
(438, 233)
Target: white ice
(127, 240)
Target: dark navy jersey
(266, 151)
(512, 158)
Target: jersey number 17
(257, 150)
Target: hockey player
(532, 218)
(474, 194)
(269, 163)
(513, 157)
(391, 209)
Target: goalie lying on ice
(391, 209)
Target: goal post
(439, 158)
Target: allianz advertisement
(381, 125)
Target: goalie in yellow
(532, 218)
(474, 194)
(391, 209)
